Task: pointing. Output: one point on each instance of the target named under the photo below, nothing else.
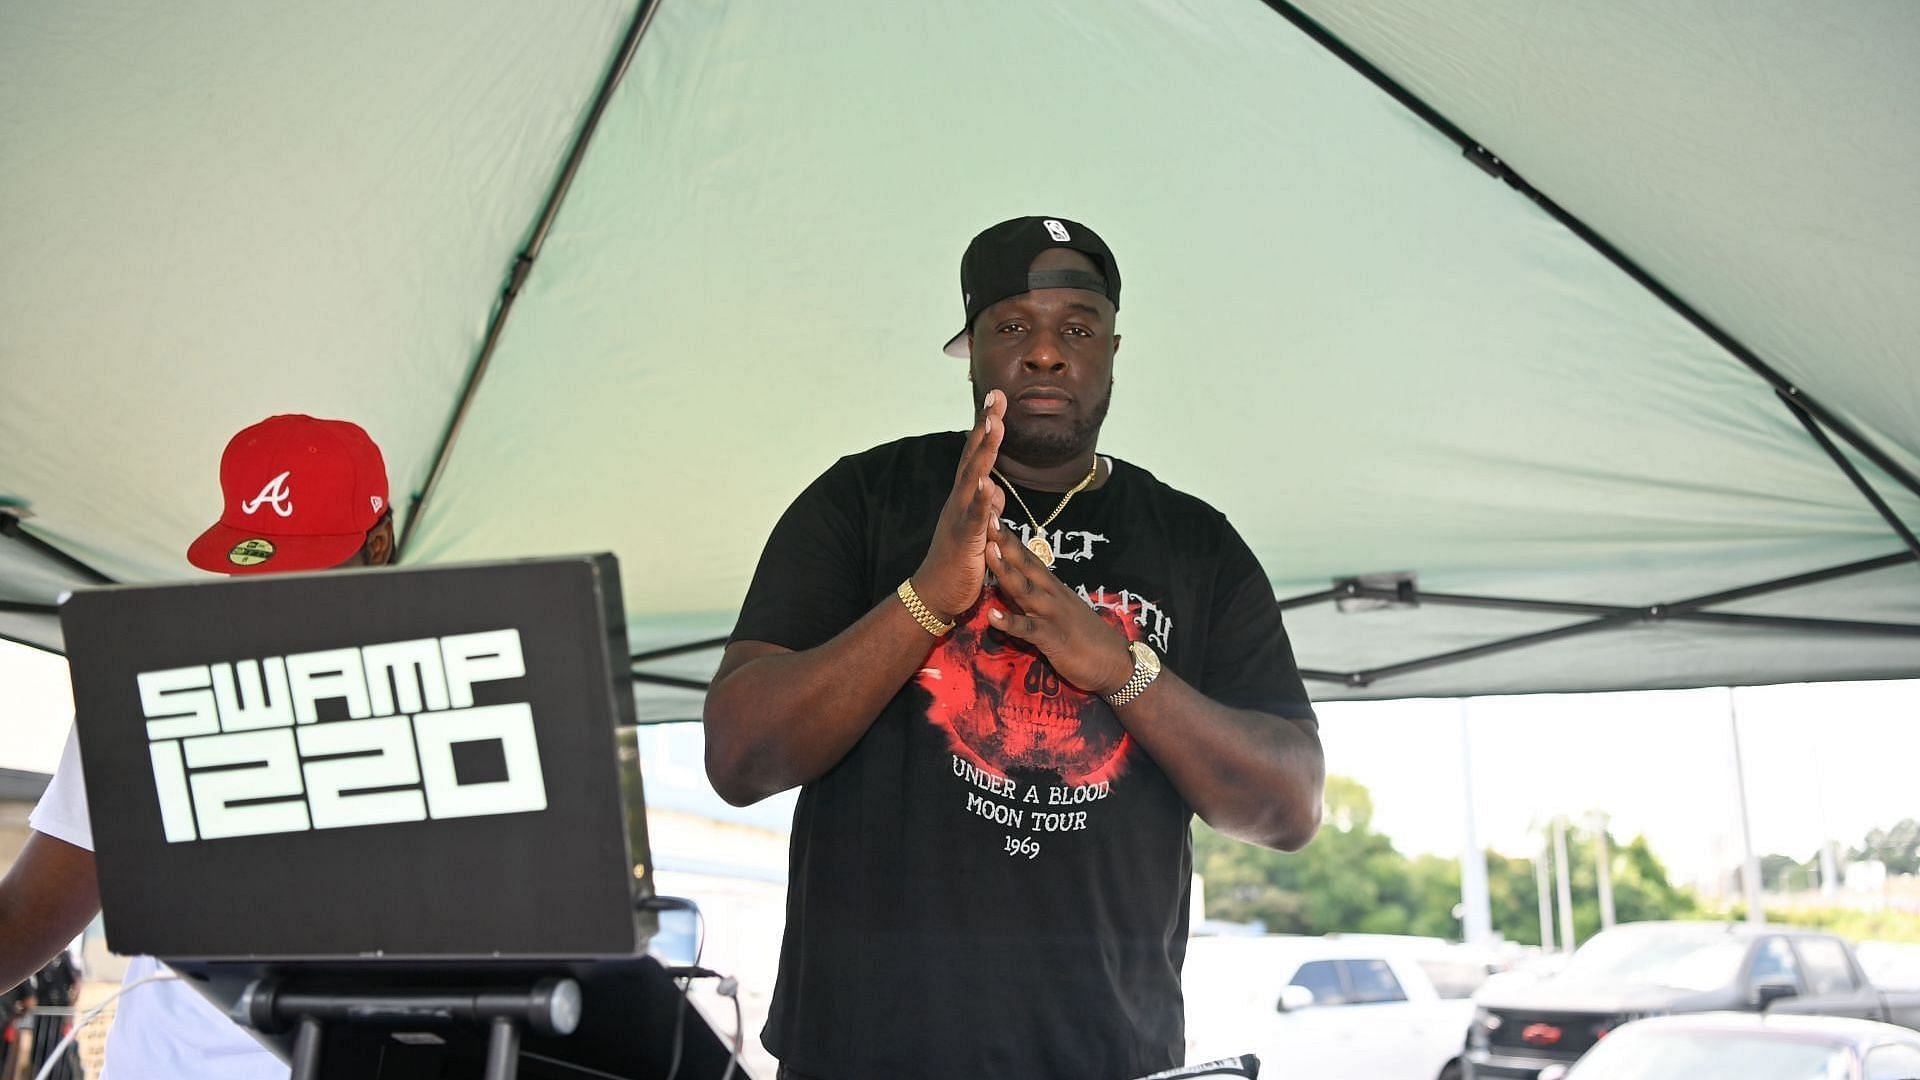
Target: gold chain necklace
(1037, 540)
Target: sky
(1837, 758)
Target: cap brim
(958, 346)
(216, 549)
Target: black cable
(694, 971)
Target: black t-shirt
(994, 881)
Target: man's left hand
(1082, 647)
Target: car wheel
(1453, 1070)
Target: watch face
(1144, 657)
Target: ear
(1116, 344)
(380, 543)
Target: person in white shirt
(300, 494)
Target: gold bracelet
(921, 613)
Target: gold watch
(1146, 668)
(922, 614)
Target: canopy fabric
(1371, 354)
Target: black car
(1656, 969)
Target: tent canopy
(1489, 301)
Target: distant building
(1866, 877)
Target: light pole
(1540, 889)
(1564, 874)
(1829, 870)
(1750, 866)
(1477, 913)
(1603, 866)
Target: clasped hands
(969, 545)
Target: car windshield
(1651, 1054)
(1687, 960)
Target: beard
(1046, 444)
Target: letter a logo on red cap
(274, 494)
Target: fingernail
(997, 553)
(994, 614)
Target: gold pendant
(1041, 549)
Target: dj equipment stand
(549, 1006)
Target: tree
(1513, 898)
(1351, 879)
(1784, 873)
(1898, 847)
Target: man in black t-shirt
(1005, 670)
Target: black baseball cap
(997, 265)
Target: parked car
(1654, 969)
(1324, 1007)
(1456, 970)
(1746, 1046)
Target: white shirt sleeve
(62, 811)
(166, 1029)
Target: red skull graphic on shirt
(1005, 709)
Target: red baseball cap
(301, 494)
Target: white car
(1323, 1007)
(1747, 1046)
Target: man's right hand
(954, 573)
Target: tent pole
(1474, 652)
(1688, 608)
(1491, 164)
(1310, 599)
(677, 650)
(1866, 489)
(1811, 577)
(17, 607)
(1798, 622)
(674, 681)
(523, 264)
(1788, 622)
(12, 529)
